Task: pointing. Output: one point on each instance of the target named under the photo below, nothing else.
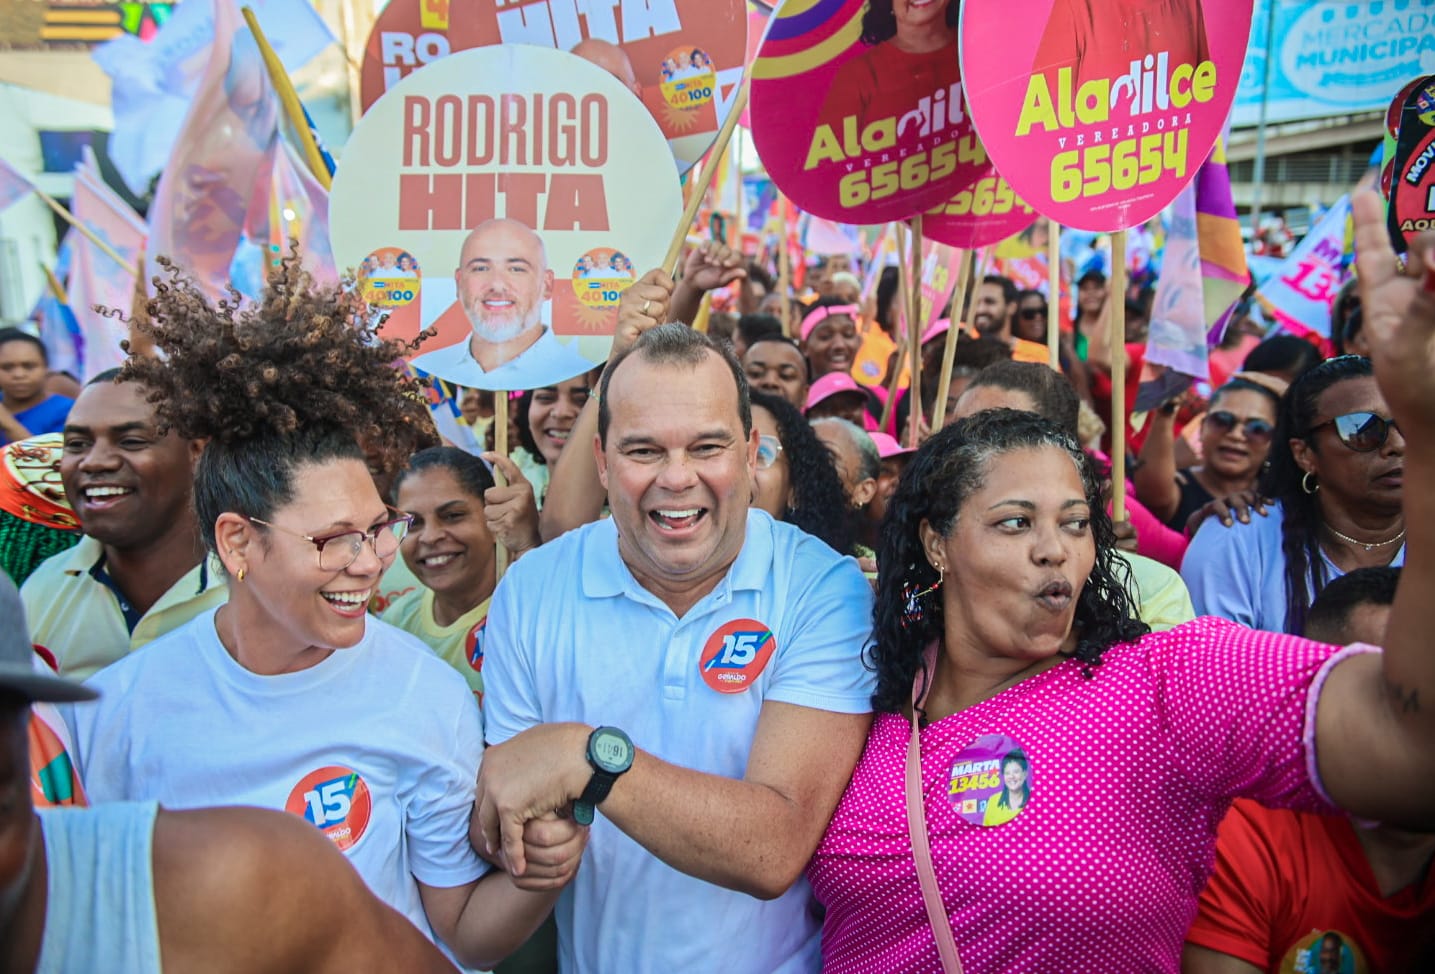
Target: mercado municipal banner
(1333, 57)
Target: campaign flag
(823, 237)
(224, 158)
(296, 208)
(760, 195)
(153, 83)
(883, 255)
(1224, 274)
(1301, 292)
(55, 321)
(1177, 336)
(14, 186)
(96, 278)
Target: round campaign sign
(498, 179)
(991, 780)
(336, 800)
(859, 117)
(683, 58)
(984, 213)
(735, 656)
(1099, 112)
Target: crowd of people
(778, 678)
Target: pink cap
(887, 446)
(830, 385)
(938, 328)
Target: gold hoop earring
(1305, 483)
(239, 575)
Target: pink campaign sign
(986, 212)
(857, 108)
(1099, 112)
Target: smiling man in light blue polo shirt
(692, 668)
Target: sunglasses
(1257, 430)
(768, 448)
(1031, 314)
(1362, 432)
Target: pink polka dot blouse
(1129, 774)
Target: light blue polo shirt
(572, 636)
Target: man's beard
(498, 332)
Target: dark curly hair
(298, 378)
(1301, 518)
(879, 20)
(819, 504)
(947, 470)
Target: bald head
(503, 280)
(612, 59)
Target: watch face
(611, 750)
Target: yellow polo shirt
(460, 645)
(79, 618)
(1162, 600)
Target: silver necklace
(1361, 544)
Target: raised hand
(1398, 301)
(644, 305)
(713, 265)
(511, 511)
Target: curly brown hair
(300, 377)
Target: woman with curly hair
(289, 696)
(1001, 623)
(1335, 486)
(796, 481)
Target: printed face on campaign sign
(503, 280)
(858, 108)
(1099, 112)
(498, 206)
(682, 59)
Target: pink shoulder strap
(917, 828)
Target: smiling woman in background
(1235, 441)
(544, 418)
(450, 550)
(1336, 481)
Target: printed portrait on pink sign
(1098, 112)
(858, 111)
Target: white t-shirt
(572, 635)
(378, 745)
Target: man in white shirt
(728, 645)
(503, 281)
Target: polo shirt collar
(87, 557)
(606, 575)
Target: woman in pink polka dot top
(1001, 607)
